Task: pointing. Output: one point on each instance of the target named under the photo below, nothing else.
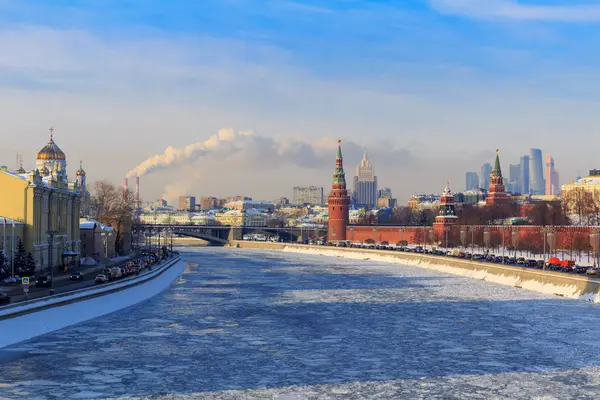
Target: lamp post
(51, 235)
(472, 230)
(486, 239)
(515, 239)
(545, 231)
(446, 230)
(503, 229)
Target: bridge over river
(221, 234)
(244, 324)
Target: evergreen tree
(19, 260)
(4, 269)
(30, 264)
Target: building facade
(303, 195)
(471, 180)
(365, 184)
(47, 204)
(552, 185)
(536, 172)
(486, 170)
(524, 175)
(97, 240)
(186, 203)
(338, 201)
(579, 194)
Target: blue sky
(431, 87)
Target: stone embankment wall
(560, 284)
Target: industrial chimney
(137, 191)
(125, 188)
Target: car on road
(580, 269)
(101, 278)
(4, 298)
(43, 281)
(521, 261)
(76, 276)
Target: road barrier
(57, 300)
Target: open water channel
(243, 324)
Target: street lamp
(51, 235)
(503, 229)
(446, 230)
(472, 230)
(545, 231)
(105, 236)
(515, 239)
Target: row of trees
(116, 207)
(24, 264)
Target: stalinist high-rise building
(365, 184)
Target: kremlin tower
(338, 201)
(496, 193)
(447, 214)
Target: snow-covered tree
(29, 264)
(19, 260)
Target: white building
(308, 195)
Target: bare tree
(115, 207)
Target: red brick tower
(338, 201)
(496, 193)
(447, 214)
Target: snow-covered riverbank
(25, 327)
(569, 286)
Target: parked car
(4, 298)
(521, 261)
(568, 268)
(530, 263)
(539, 264)
(512, 260)
(76, 276)
(580, 269)
(593, 271)
(43, 281)
(101, 278)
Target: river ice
(243, 324)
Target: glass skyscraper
(536, 172)
(486, 170)
(524, 175)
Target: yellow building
(582, 192)
(47, 205)
(249, 217)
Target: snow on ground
(18, 329)
(540, 285)
(297, 326)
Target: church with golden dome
(49, 211)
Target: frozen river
(244, 324)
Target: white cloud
(516, 10)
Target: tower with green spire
(496, 193)
(338, 201)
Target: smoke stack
(125, 188)
(137, 190)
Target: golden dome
(51, 151)
(80, 171)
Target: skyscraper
(486, 170)
(365, 184)
(552, 185)
(524, 175)
(513, 178)
(471, 181)
(536, 172)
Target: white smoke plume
(225, 142)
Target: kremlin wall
(446, 233)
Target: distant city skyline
(412, 81)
